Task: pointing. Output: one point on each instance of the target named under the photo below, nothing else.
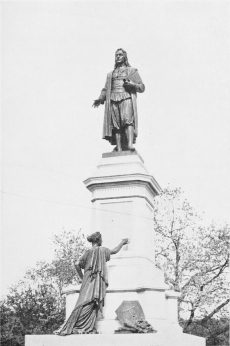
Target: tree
(68, 247)
(29, 310)
(35, 305)
(195, 261)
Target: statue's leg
(118, 140)
(130, 134)
(116, 123)
(124, 139)
(127, 121)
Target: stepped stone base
(156, 339)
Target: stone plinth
(157, 339)
(123, 193)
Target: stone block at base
(156, 339)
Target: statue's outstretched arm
(101, 99)
(118, 247)
(97, 103)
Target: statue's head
(121, 57)
(95, 238)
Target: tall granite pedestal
(122, 207)
(122, 200)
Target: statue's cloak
(134, 76)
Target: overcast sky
(55, 57)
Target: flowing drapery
(92, 292)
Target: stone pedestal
(122, 199)
(122, 207)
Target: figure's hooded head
(121, 56)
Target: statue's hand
(128, 83)
(96, 103)
(125, 241)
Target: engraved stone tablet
(131, 311)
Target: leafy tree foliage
(28, 311)
(35, 304)
(195, 260)
(216, 331)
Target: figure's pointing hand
(96, 103)
(125, 241)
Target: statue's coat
(133, 75)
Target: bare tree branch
(190, 320)
(221, 269)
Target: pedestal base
(131, 278)
(156, 339)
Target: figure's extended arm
(101, 99)
(118, 247)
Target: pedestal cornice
(122, 175)
(122, 187)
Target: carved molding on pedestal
(125, 189)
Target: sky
(55, 57)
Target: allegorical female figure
(120, 126)
(93, 289)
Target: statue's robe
(134, 76)
(92, 292)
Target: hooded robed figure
(93, 289)
(120, 125)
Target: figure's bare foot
(94, 331)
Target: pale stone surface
(171, 306)
(122, 195)
(157, 339)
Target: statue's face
(119, 57)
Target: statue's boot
(118, 141)
(130, 136)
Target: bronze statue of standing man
(120, 126)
